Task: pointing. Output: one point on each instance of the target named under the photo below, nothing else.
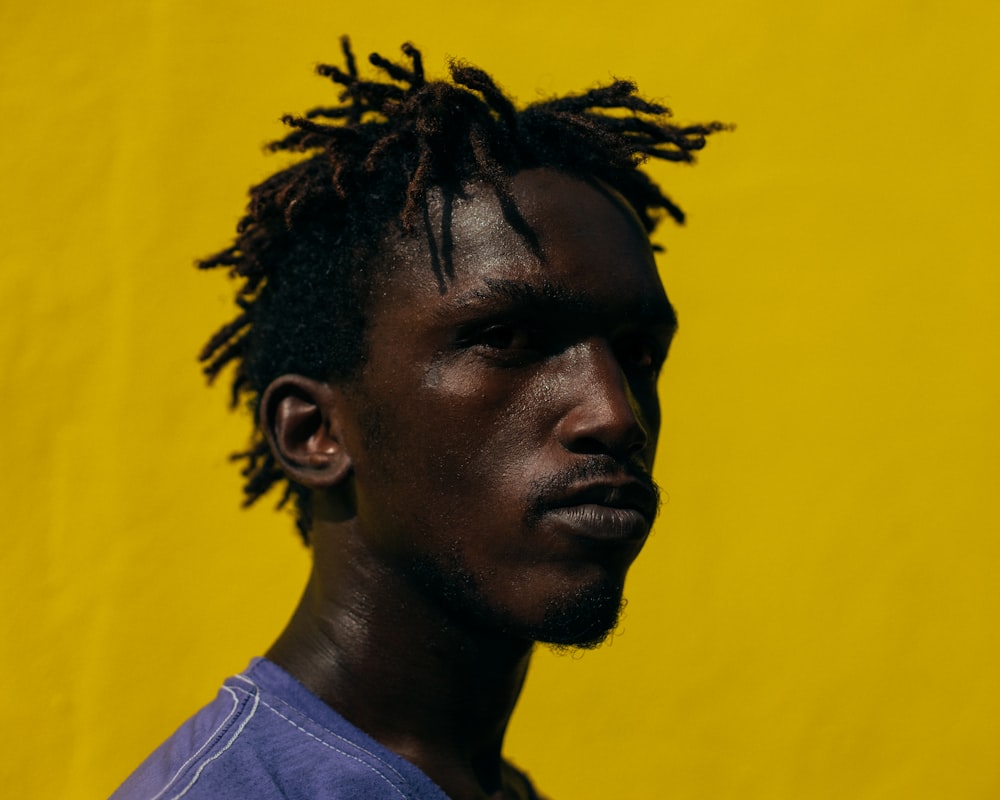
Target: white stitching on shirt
(338, 750)
(258, 701)
(200, 750)
(334, 734)
(230, 743)
(344, 739)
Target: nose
(602, 416)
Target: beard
(579, 618)
(583, 620)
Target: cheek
(457, 434)
(475, 432)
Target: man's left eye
(640, 352)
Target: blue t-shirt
(264, 737)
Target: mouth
(611, 511)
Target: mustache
(550, 491)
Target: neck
(376, 647)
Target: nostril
(624, 445)
(639, 441)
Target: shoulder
(264, 738)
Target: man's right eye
(509, 343)
(502, 337)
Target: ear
(300, 418)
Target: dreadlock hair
(304, 250)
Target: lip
(602, 522)
(608, 511)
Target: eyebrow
(549, 298)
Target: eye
(506, 343)
(506, 336)
(640, 352)
(500, 337)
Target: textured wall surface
(817, 614)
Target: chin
(584, 619)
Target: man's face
(507, 417)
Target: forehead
(594, 253)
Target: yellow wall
(817, 614)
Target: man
(451, 327)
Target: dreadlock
(304, 248)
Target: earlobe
(299, 417)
